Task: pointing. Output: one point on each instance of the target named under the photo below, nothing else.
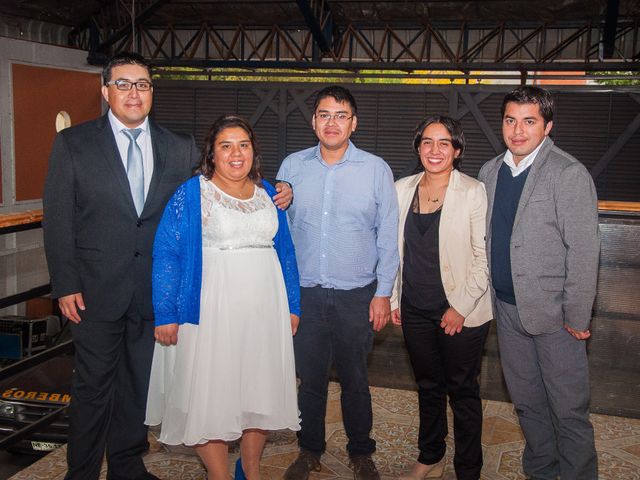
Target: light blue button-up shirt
(344, 219)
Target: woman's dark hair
(207, 161)
(529, 94)
(453, 127)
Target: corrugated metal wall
(587, 124)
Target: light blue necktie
(135, 169)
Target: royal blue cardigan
(177, 257)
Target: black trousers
(444, 364)
(109, 396)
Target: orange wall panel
(39, 93)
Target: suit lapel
(532, 178)
(449, 209)
(490, 187)
(159, 145)
(110, 152)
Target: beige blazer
(463, 258)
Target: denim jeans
(334, 329)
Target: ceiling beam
(610, 29)
(126, 29)
(318, 18)
(545, 47)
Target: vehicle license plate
(44, 446)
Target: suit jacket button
(137, 254)
(139, 223)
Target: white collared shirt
(143, 141)
(524, 163)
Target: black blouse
(421, 280)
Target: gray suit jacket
(555, 245)
(94, 241)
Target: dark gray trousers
(109, 397)
(548, 379)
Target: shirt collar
(350, 155)
(118, 126)
(524, 163)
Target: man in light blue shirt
(344, 222)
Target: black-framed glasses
(338, 117)
(126, 85)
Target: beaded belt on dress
(241, 247)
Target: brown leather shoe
(303, 466)
(364, 468)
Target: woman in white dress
(226, 303)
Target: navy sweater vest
(505, 206)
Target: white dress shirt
(524, 163)
(143, 141)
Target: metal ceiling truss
(467, 47)
(317, 15)
(110, 24)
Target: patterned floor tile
(510, 466)
(611, 467)
(402, 402)
(611, 428)
(496, 430)
(395, 431)
(633, 449)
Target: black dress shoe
(144, 476)
(147, 476)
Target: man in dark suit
(543, 249)
(108, 182)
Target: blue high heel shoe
(239, 475)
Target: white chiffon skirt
(235, 370)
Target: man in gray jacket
(543, 248)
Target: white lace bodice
(229, 223)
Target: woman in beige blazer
(441, 296)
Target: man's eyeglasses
(126, 85)
(338, 117)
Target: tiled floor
(395, 430)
